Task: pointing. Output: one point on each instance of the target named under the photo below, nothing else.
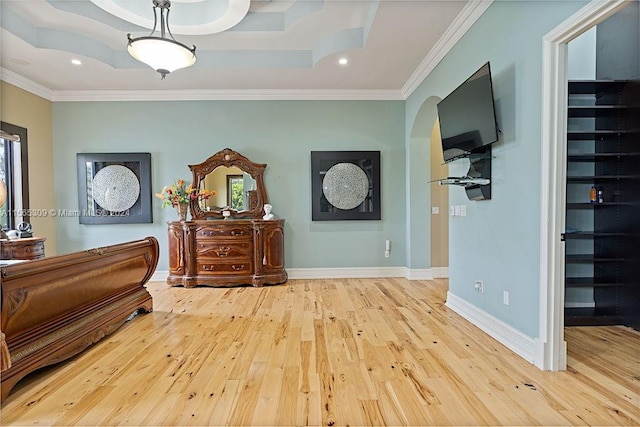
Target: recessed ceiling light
(343, 61)
(76, 62)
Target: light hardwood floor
(326, 352)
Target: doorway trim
(551, 349)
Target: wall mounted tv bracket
(477, 182)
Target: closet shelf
(581, 282)
(589, 135)
(591, 178)
(603, 150)
(588, 87)
(590, 317)
(590, 258)
(590, 235)
(595, 110)
(594, 157)
(587, 205)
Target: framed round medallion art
(345, 185)
(114, 188)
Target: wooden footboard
(55, 307)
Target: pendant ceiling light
(161, 53)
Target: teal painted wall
(499, 239)
(279, 133)
(418, 187)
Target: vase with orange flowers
(180, 195)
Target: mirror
(233, 188)
(237, 182)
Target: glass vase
(182, 209)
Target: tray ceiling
(291, 45)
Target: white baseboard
(508, 336)
(418, 274)
(347, 273)
(440, 272)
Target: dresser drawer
(224, 249)
(23, 250)
(238, 267)
(29, 251)
(239, 231)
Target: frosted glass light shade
(161, 54)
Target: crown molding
(24, 83)
(460, 25)
(196, 95)
(227, 95)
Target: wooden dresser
(27, 248)
(226, 252)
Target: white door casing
(551, 351)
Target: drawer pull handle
(208, 267)
(237, 267)
(237, 232)
(222, 251)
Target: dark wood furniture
(603, 143)
(226, 252)
(53, 308)
(27, 248)
(244, 249)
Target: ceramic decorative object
(267, 212)
(345, 185)
(116, 188)
(12, 234)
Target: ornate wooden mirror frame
(230, 158)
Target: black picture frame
(369, 162)
(90, 212)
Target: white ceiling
(279, 47)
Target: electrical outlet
(479, 286)
(505, 297)
(452, 210)
(463, 210)
(456, 210)
(387, 254)
(435, 210)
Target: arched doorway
(426, 149)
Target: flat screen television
(467, 116)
